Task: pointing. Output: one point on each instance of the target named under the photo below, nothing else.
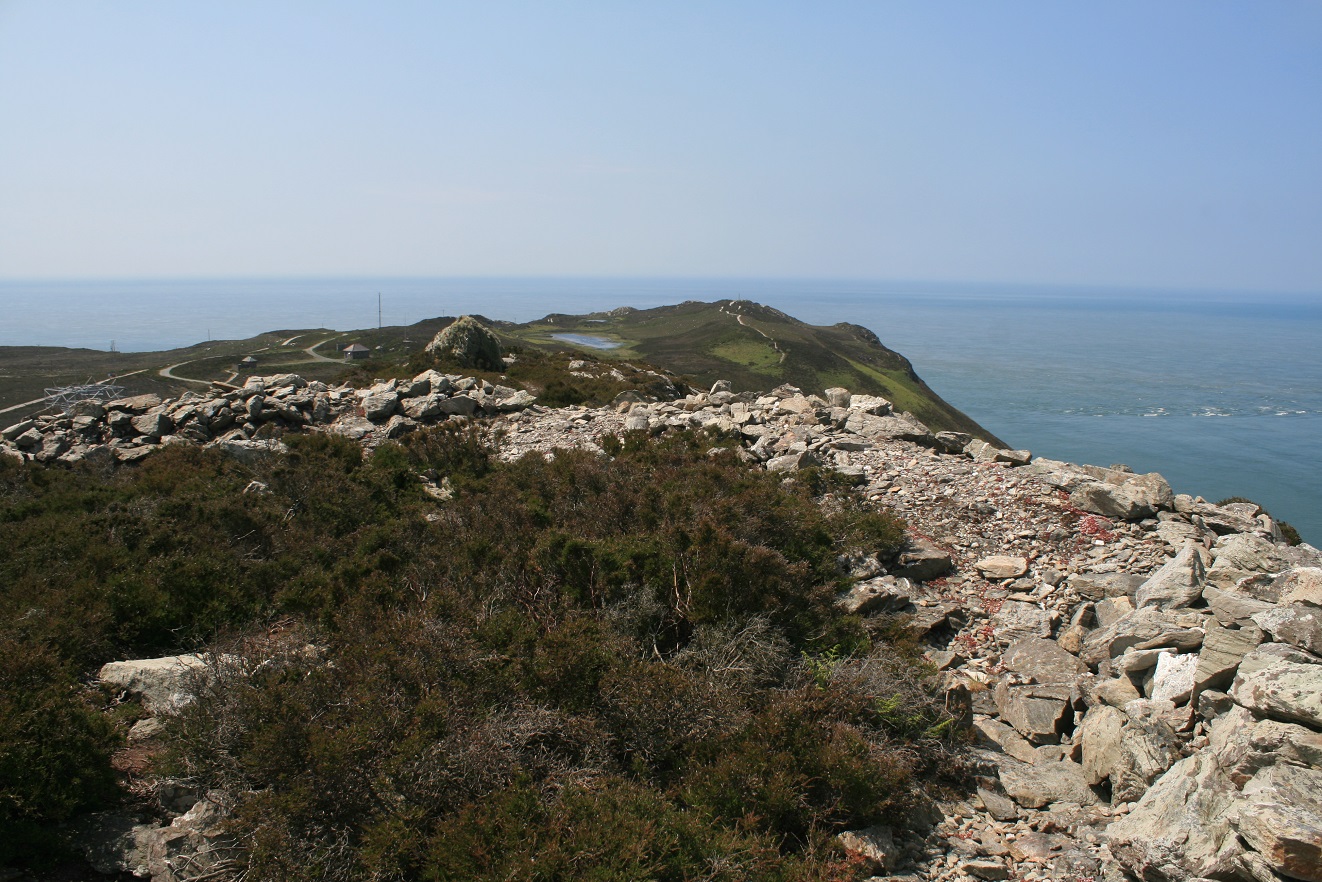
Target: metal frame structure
(66, 397)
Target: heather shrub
(576, 667)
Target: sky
(1171, 144)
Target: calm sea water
(1221, 393)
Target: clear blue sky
(1173, 144)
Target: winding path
(740, 319)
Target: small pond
(587, 340)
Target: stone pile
(1141, 671)
(128, 429)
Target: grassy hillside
(755, 347)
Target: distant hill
(755, 347)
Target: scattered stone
(1002, 567)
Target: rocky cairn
(1140, 671)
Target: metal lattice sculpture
(66, 397)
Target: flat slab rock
(1281, 818)
(1040, 784)
(1002, 566)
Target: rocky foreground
(1142, 671)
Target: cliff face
(1138, 670)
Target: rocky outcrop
(469, 344)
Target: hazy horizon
(1124, 145)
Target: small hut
(248, 364)
(355, 351)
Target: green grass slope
(755, 347)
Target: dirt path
(317, 356)
(774, 345)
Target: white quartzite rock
(164, 683)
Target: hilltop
(751, 346)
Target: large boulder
(469, 343)
(1180, 830)
(1177, 584)
(1295, 624)
(1147, 628)
(1041, 713)
(1283, 690)
(1223, 649)
(1281, 818)
(898, 427)
(1040, 784)
(1043, 661)
(164, 684)
(1244, 745)
(922, 560)
(1130, 748)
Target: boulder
(1000, 566)
(1017, 620)
(1223, 649)
(164, 684)
(1122, 495)
(425, 407)
(888, 428)
(1131, 749)
(875, 847)
(1234, 608)
(1147, 628)
(1174, 677)
(870, 404)
(135, 403)
(1034, 786)
(381, 407)
(1301, 585)
(152, 425)
(886, 594)
(1295, 624)
(952, 442)
(469, 343)
(1244, 745)
(922, 560)
(1281, 818)
(1177, 584)
(1006, 739)
(1041, 713)
(838, 396)
(1043, 661)
(793, 462)
(1180, 829)
(1284, 690)
(1097, 586)
(458, 405)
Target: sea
(1220, 392)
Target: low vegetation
(579, 667)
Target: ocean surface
(1220, 392)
